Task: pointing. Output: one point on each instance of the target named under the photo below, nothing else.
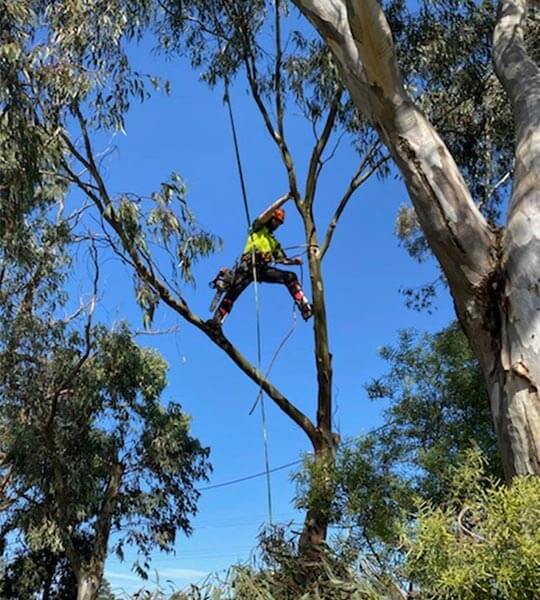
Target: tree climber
(264, 247)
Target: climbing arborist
(264, 248)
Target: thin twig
(355, 183)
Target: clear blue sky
(188, 132)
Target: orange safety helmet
(279, 215)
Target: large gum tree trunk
(515, 395)
(494, 279)
(89, 576)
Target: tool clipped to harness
(221, 283)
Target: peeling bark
(495, 283)
(90, 576)
(516, 405)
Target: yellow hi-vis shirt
(264, 243)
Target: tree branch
(358, 179)
(322, 141)
(277, 72)
(55, 397)
(178, 304)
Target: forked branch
(177, 303)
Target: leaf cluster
(85, 418)
(54, 55)
(484, 542)
(438, 407)
(44, 572)
(445, 53)
(163, 229)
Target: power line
(346, 443)
(248, 477)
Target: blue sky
(188, 132)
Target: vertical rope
(227, 100)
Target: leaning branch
(178, 304)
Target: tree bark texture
(90, 576)
(88, 586)
(515, 397)
(494, 279)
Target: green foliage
(438, 407)
(280, 575)
(54, 55)
(317, 485)
(162, 229)
(95, 406)
(484, 542)
(105, 591)
(37, 572)
(357, 490)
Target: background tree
(86, 447)
(491, 273)
(94, 452)
(437, 412)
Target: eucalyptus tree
(492, 272)
(94, 453)
(82, 76)
(86, 449)
(230, 40)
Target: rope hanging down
(227, 100)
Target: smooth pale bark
(494, 279)
(515, 392)
(88, 587)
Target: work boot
(220, 315)
(305, 309)
(214, 323)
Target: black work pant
(265, 274)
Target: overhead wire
(345, 444)
(248, 477)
